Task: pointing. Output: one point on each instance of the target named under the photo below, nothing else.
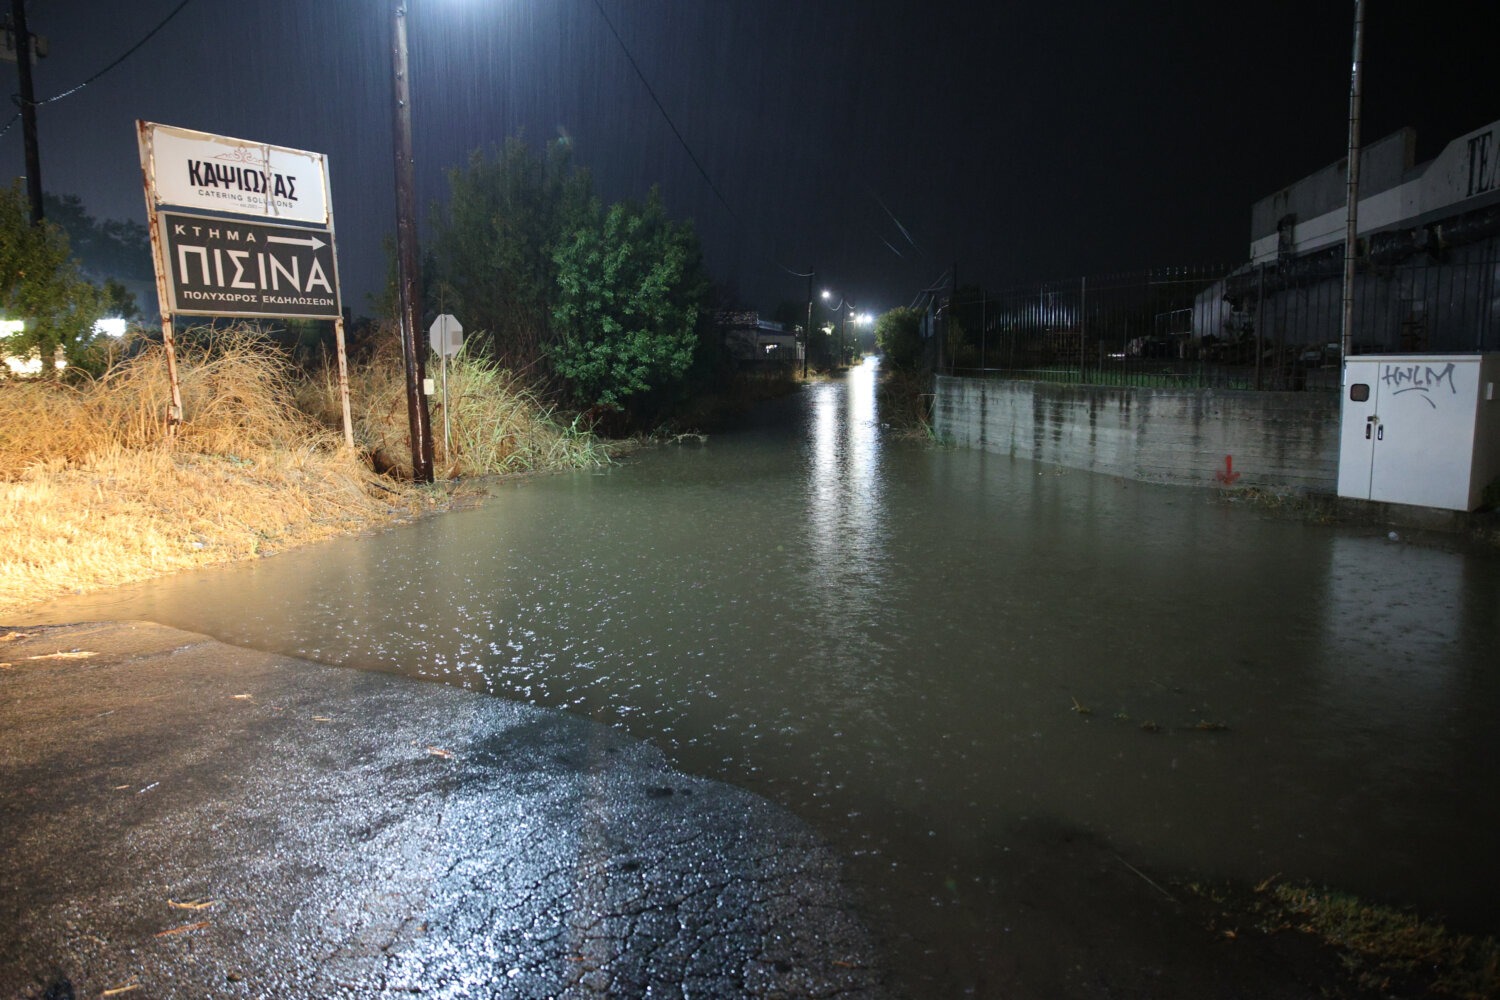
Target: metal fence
(1273, 326)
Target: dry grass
(93, 493)
(237, 396)
(130, 516)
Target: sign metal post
(446, 335)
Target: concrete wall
(1279, 441)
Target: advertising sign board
(196, 170)
(228, 267)
(232, 263)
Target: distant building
(1404, 207)
(1429, 255)
(750, 340)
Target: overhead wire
(684, 143)
(932, 289)
(904, 231)
(16, 98)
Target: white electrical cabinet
(1420, 429)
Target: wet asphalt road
(182, 818)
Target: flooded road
(952, 665)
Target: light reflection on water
(927, 653)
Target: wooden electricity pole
(408, 288)
(1351, 229)
(27, 98)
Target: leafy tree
(898, 334)
(105, 249)
(431, 288)
(494, 243)
(631, 290)
(41, 284)
(117, 300)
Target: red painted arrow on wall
(1228, 476)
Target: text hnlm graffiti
(1424, 379)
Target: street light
(408, 288)
(846, 308)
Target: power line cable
(889, 247)
(16, 98)
(930, 290)
(684, 143)
(904, 231)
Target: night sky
(879, 142)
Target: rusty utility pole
(27, 98)
(407, 280)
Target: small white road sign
(446, 335)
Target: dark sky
(1020, 141)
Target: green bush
(41, 284)
(898, 334)
(631, 289)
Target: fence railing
(1275, 326)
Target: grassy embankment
(93, 493)
(1382, 951)
(905, 400)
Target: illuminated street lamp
(408, 288)
(846, 308)
(828, 296)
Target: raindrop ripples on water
(947, 661)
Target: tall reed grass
(905, 399)
(496, 424)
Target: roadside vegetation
(496, 423)
(1382, 951)
(607, 309)
(42, 282)
(590, 326)
(905, 390)
(94, 492)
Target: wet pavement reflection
(952, 664)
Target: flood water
(949, 663)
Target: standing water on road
(957, 667)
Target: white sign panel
(446, 335)
(188, 169)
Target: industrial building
(1428, 264)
